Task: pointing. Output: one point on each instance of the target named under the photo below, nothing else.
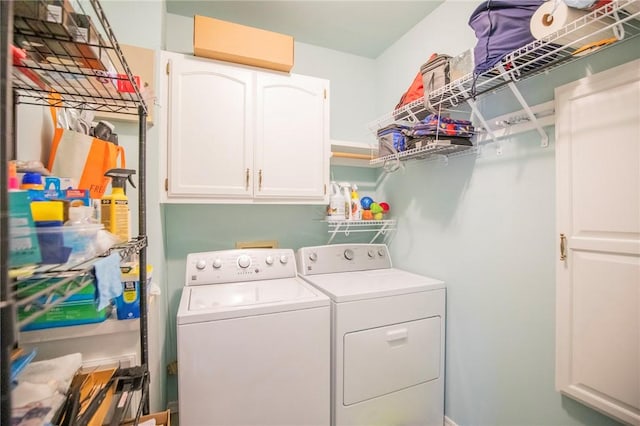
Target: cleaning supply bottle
(13, 177)
(346, 195)
(356, 209)
(335, 209)
(115, 206)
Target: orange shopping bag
(83, 158)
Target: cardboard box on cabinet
(231, 42)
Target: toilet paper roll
(554, 15)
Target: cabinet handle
(563, 247)
(246, 180)
(260, 180)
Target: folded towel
(108, 276)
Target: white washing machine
(253, 342)
(388, 336)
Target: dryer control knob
(201, 264)
(371, 253)
(313, 256)
(244, 261)
(348, 254)
(268, 260)
(381, 252)
(284, 259)
(217, 263)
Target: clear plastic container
(73, 244)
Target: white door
(292, 139)
(210, 133)
(598, 213)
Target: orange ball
(367, 215)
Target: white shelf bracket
(544, 139)
(477, 113)
(336, 228)
(381, 231)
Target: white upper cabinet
(292, 141)
(210, 108)
(235, 134)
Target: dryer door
(382, 360)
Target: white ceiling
(364, 28)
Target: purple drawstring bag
(501, 26)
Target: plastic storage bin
(80, 308)
(62, 244)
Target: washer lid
(349, 286)
(233, 300)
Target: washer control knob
(201, 264)
(381, 252)
(268, 260)
(244, 261)
(348, 254)
(284, 259)
(313, 256)
(371, 253)
(217, 263)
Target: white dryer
(253, 342)
(388, 336)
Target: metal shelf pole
(7, 336)
(142, 231)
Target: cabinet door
(292, 141)
(210, 130)
(598, 202)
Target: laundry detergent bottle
(115, 206)
(345, 190)
(335, 209)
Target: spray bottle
(356, 210)
(115, 206)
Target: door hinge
(168, 67)
(166, 184)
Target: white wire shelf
(440, 147)
(346, 227)
(82, 73)
(539, 56)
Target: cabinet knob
(260, 180)
(246, 180)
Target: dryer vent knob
(201, 264)
(217, 263)
(348, 254)
(313, 256)
(284, 259)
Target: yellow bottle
(115, 206)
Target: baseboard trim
(173, 406)
(449, 422)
